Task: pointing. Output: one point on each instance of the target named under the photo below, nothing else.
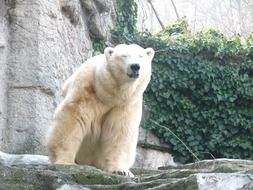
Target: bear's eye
(124, 56)
(140, 56)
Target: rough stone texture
(22, 159)
(222, 181)
(41, 43)
(3, 63)
(148, 154)
(26, 173)
(99, 21)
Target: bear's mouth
(133, 75)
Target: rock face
(220, 174)
(41, 43)
(151, 153)
(22, 159)
(3, 68)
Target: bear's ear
(108, 52)
(150, 52)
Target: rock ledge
(32, 172)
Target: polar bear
(97, 122)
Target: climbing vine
(126, 16)
(201, 87)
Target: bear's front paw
(127, 173)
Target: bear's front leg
(119, 139)
(66, 135)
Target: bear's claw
(124, 173)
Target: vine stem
(194, 155)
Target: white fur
(97, 122)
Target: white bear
(97, 122)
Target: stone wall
(151, 153)
(41, 43)
(3, 67)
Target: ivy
(201, 87)
(98, 44)
(126, 16)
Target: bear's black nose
(135, 67)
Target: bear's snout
(134, 73)
(135, 67)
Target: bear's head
(129, 62)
